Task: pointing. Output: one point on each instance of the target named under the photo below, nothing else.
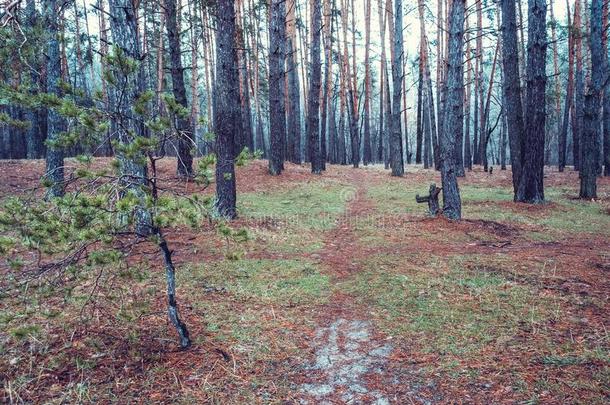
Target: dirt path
(350, 357)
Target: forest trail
(351, 357)
(346, 350)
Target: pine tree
(226, 109)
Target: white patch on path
(345, 354)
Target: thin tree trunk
(367, 155)
(557, 96)
(328, 66)
(578, 117)
(569, 101)
(382, 80)
(420, 89)
(467, 99)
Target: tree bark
(579, 100)
(366, 153)
(226, 108)
(512, 90)
(326, 104)
(293, 106)
(467, 99)
(382, 78)
(590, 136)
(184, 139)
(531, 187)
(397, 77)
(606, 100)
(56, 123)
(277, 108)
(569, 101)
(313, 109)
(453, 116)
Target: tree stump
(431, 199)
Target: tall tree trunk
(293, 106)
(366, 153)
(479, 128)
(512, 90)
(35, 134)
(569, 101)
(326, 102)
(277, 108)
(453, 116)
(195, 108)
(606, 100)
(313, 110)
(420, 89)
(56, 123)
(557, 91)
(226, 108)
(467, 99)
(123, 25)
(578, 117)
(531, 187)
(78, 49)
(397, 77)
(590, 136)
(244, 138)
(184, 136)
(485, 130)
(440, 64)
(383, 78)
(354, 92)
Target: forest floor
(345, 292)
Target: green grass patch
(452, 308)
(575, 215)
(397, 197)
(308, 205)
(278, 282)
